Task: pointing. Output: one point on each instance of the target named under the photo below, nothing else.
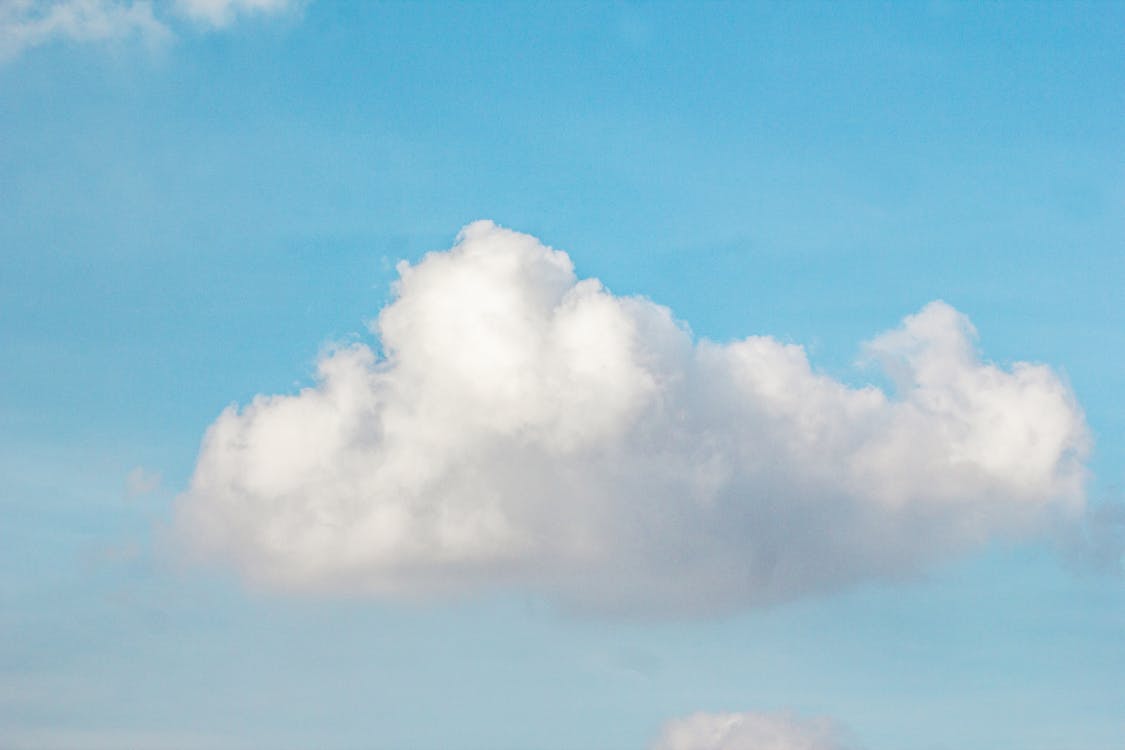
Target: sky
(615, 376)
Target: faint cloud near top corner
(27, 24)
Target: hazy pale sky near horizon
(781, 474)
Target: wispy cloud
(25, 24)
(30, 23)
(221, 13)
(141, 481)
(531, 429)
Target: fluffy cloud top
(527, 428)
(748, 731)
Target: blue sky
(193, 205)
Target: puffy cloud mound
(749, 731)
(526, 428)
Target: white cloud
(530, 429)
(29, 23)
(749, 731)
(221, 13)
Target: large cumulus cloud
(527, 428)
